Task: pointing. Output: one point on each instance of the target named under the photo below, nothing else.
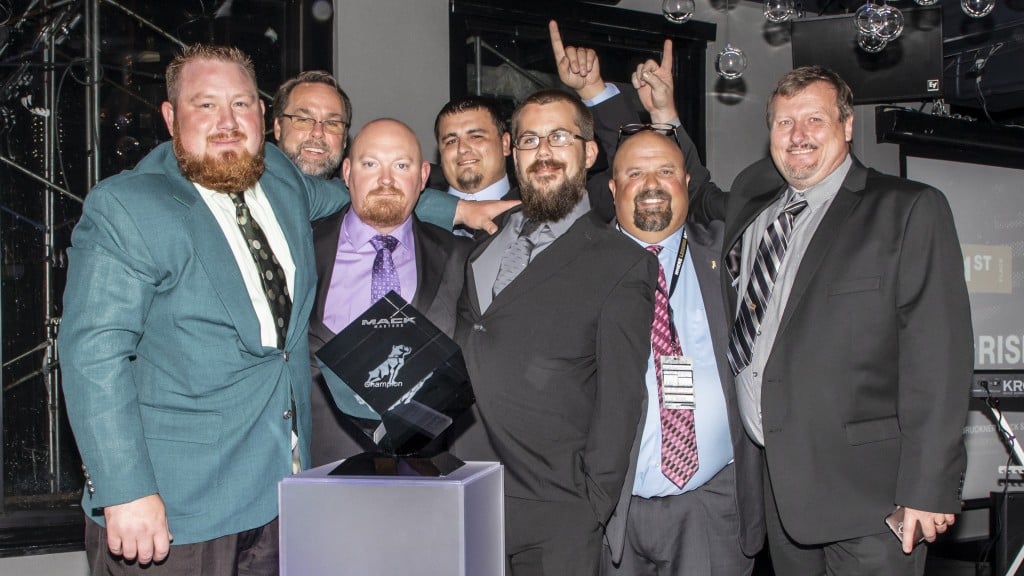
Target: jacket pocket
(867, 431)
(180, 425)
(855, 285)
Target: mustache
(652, 194)
(225, 136)
(316, 142)
(545, 165)
(384, 191)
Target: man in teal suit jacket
(182, 407)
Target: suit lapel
(294, 224)
(326, 233)
(842, 205)
(214, 253)
(558, 256)
(430, 260)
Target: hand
(479, 215)
(932, 524)
(578, 68)
(138, 529)
(655, 86)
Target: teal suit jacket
(169, 390)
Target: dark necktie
(275, 287)
(678, 436)
(516, 256)
(770, 253)
(384, 277)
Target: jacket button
(479, 328)
(287, 414)
(285, 355)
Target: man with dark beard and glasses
(184, 336)
(554, 323)
(691, 503)
(385, 173)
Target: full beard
(652, 220)
(230, 172)
(555, 202)
(385, 211)
(325, 167)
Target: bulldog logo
(384, 376)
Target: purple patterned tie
(385, 277)
(678, 437)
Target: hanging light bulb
(677, 11)
(731, 62)
(867, 18)
(977, 8)
(926, 2)
(890, 23)
(776, 11)
(871, 43)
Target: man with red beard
(385, 173)
(554, 323)
(184, 341)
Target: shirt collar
(825, 190)
(495, 191)
(358, 233)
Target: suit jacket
(557, 363)
(440, 259)
(865, 390)
(169, 389)
(705, 246)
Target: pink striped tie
(678, 438)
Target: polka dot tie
(275, 287)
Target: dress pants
(692, 534)
(878, 554)
(551, 538)
(250, 553)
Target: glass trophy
(403, 382)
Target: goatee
(468, 181)
(555, 202)
(652, 220)
(384, 211)
(230, 172)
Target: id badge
(677, 383)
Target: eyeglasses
(556, 139)
(306, 124)
(627, 130)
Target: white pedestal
(393, 525)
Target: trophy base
(380, 464)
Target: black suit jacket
(705, 247)
(865, 391)
(557, 363)
(440, 258)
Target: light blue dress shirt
(711, 420)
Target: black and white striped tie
(770, 253)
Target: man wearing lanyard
(691, 500)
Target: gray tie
(516, 256)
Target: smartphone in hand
(895, 523)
